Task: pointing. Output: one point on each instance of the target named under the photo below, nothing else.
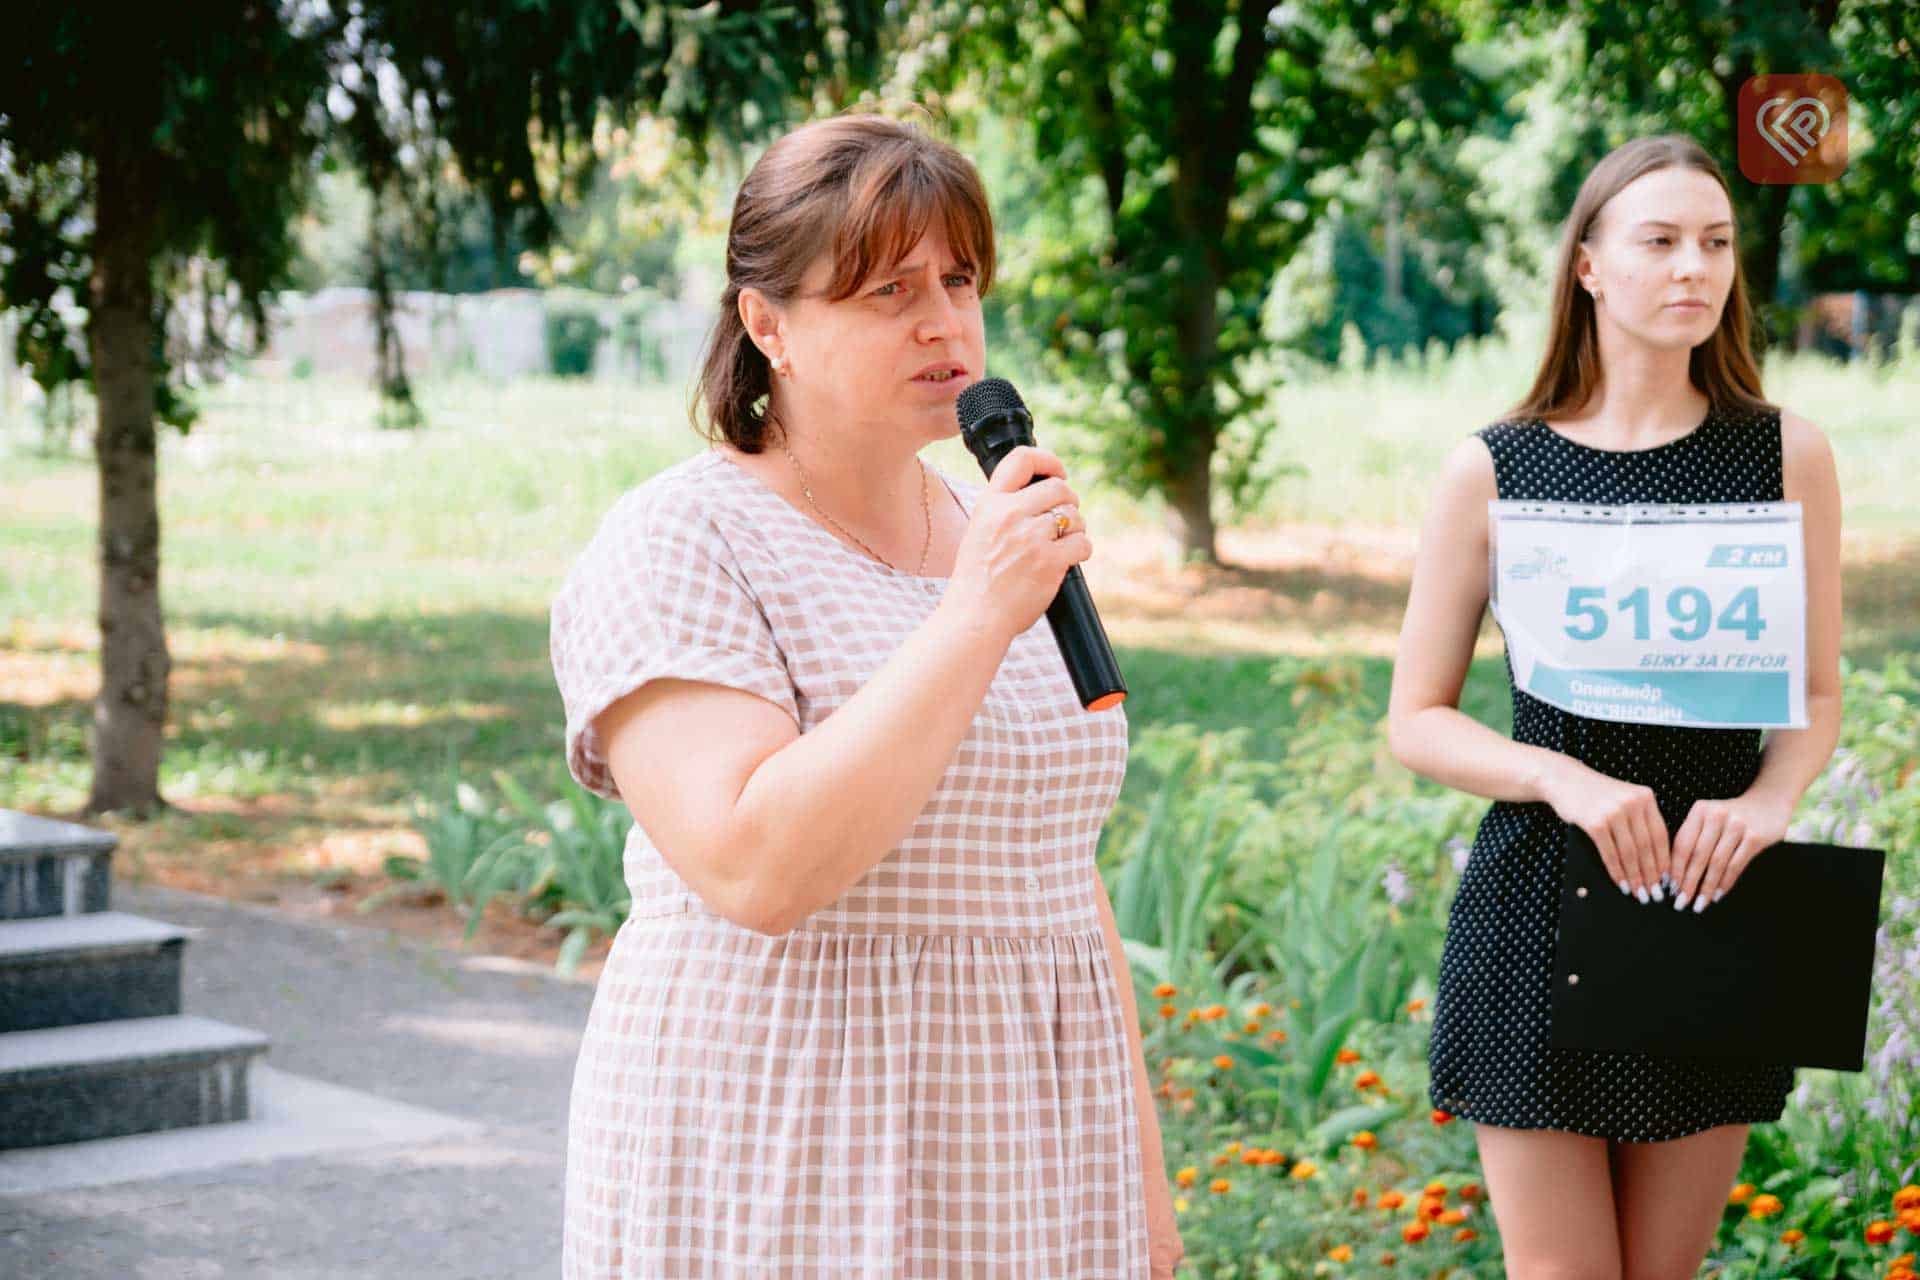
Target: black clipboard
(1780, 970)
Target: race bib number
(1668, 614)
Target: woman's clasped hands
(1698, 865)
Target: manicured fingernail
(1680, 903)
(1640, 894)
(1701, 905)
(1623, 887)
(1659, 894)
(1719, 894)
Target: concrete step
(59, 971)
(52, 868)
(132, 1075)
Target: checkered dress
(928, 1076)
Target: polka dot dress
(1489, 1058)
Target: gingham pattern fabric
(926, 1078)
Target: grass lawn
(347, 607)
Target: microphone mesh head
(985, 398)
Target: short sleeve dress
(1489, 1058)
(928, 1077)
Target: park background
(366, 511)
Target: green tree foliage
(134, 139)
(1176, 148)
(1653, 68)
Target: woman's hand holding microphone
(1014, 555)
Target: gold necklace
(926, 509)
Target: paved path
(438, 1079)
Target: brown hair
(862, 188)
(1723, 366)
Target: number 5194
(1689, 611)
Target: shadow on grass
(372, 707)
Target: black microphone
(994, 422)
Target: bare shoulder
(1800, 438)
(1467, 472)
(1806, 455)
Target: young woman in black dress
(1611, 1164)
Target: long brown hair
(862, 188)
(1723, 366)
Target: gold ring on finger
(1061, 523)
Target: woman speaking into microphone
(868, 1015)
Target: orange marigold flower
(1168, 1011)
(1186, 1091)
(1414, 1232)
(1222, 1159)
(1215, 1012)
(1764, 1206)
(1793, 1235)
(1341, 1253)
(1232, 1148)
(1879, 1232)
(1436, 1188)
(1272, 1157)
(1187, 1176)
(1193, 1015)
(1469, 1191)
(1219, 1186)
(1465, 1234)
(1451, 1218)
(1359, 1197)
(1909, 1220)
(1442, 1117)
(1223, 1061)
(1253, 1155)
(1164, 990)
(1345, 1056)
(1907, 1197)
(1429, 1208)
(1305, 1169)
(1366, 1080)
(1365, 1140)
(1262, 1009)
(1741, 1193)
(1386, 1259)
(1276, 1036)
(1252, 1028)
(1415, 1006)
(1391, 1200)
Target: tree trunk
(397, 408)
(1190, 504)
(130, 712)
